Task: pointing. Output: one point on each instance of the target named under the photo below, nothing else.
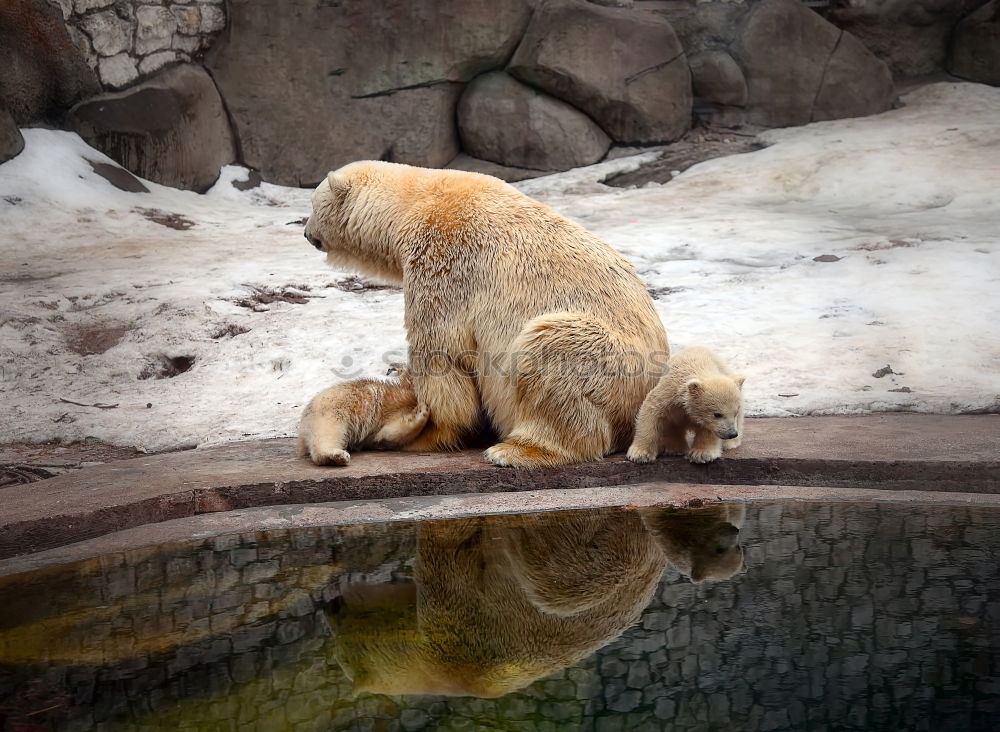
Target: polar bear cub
(364, 413)
(698, 393)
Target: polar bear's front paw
(421, 415)
(732, 444)
(703, 456)
(522, 454)
(639, 455)
(331, 457)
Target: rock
(171, 129)
(42, 73)
(155, 28)
(213, 19)
(785, 50)
(717, 78)
(11, 142)
(855, 83)
(188, 18)
(503, 172)
(720, 90)
(502, 120)
(118, 177)
(82, 6)
(975, 50)
(117, 71)
(352, 83)
(911, 37)
(109, 34)
(156, 61)
(625, 68)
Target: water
(846, 617)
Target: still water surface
(774, 616)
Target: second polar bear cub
(698, 393)
(363, 413)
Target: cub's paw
(703, 456)
(638, 455)
(732, 444)
(332, 457)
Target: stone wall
(123, 40)
(850, 617)
(541, 85)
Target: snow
(909, 201)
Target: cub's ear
(694, 387)
(740, 380)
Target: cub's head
(714, 404)
(702, 543)
(357, 218)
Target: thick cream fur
(363, 413)
(697, 386)
(526, 318)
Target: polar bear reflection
(500, 601)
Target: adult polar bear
(512, 311)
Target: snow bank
(106, 296)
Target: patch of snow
(907, 205)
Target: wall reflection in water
(849, 616)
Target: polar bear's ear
(337, 181)
(694, 387)
(740, 380)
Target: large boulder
(171, 129)
(11, 142)
(623, 67)
(787, 52)
(911, 36)
(321, 84)
(855, 83)
(720, 89)
(42, 73)
(504, 121)
(975, 49)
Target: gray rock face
(171, 129)
(911, 36)
(783, 50)
(623, 67)
(11, 142)
(504, 121)
(975, 52)
(323, 84)
(717, 78)
(799, 68)
(720, 90)
(41, 72)
(855, 83)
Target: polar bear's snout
(313, 240)
(729, 434)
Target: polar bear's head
(702, 543)
(359, 216)
(714, 404)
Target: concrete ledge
(386, 510)
(890, 452)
